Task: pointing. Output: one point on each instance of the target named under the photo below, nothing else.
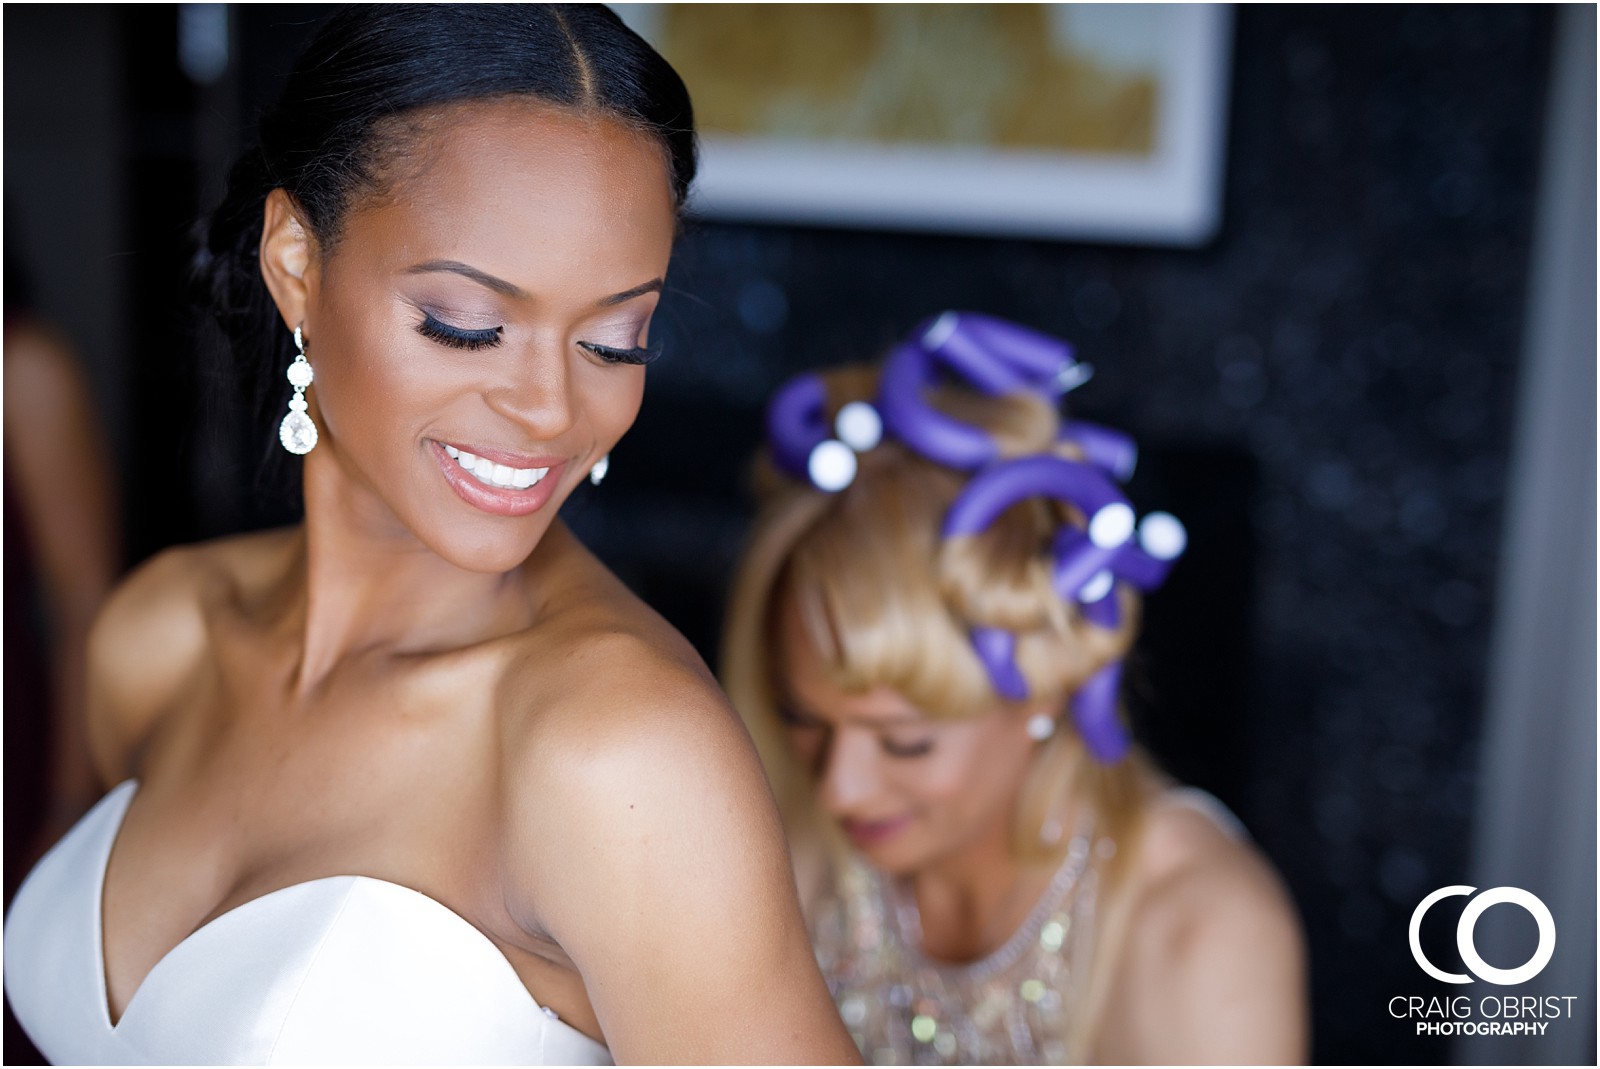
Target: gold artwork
(996, 76)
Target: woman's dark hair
(328, 141)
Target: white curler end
(1111, 526)
(832, 466)
(1098, 586)
(1162, 535)
(941, 330)
(1073, 375)
(859, 426)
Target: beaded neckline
(908, 921)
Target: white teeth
(489, 473)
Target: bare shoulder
(1213, 950)
(639, 833)
(151, 637)
(1192, 851)
(614, 722)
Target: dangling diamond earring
(597, 474)
(1041, 726)
(297, 433)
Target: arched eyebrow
(655, 285)
(482, 278)
(509, 289)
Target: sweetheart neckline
(132, 786)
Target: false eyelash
(455, 337)
(643, 355)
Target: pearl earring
(297, 433)
(1041, 726)
(597, 474)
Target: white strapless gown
(347, 969)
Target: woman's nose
(849, 771)
(539, 393)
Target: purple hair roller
(1134, 565)
(938, 437)
(799, 436)
(1105, 612)
(1107, 449)
(949, 340)
(1162, 541)
(1094, 711)
(997, 649)
(794, 423)
(1110, 519)
(1077, 561)
(1110, 524)
(1033, 359)
(992, 355)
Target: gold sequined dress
(1012, 1007)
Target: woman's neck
(971, 902)
(369, 583)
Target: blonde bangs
(865, 579)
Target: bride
(418, 779)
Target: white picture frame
(1171, 195)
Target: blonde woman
(925, 638)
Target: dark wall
(1323, 394)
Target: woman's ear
(287, 253)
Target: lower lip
(499, 501)
(875, 833)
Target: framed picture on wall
(1097, 122)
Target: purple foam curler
(1106, 612)
(997, 649)
(1094, 711)
(795, 425)
(1107, 449)
(1028, 355)
(1110, 525)
(1134, 565)
(1087, 574)
(941, 438)
(1077, 561)
(1162, 540)
(991, 492)
(993, 356)
(799, 438)
(950, 341)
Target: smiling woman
(405, 782)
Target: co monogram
(1464, 935)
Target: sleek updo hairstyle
(889, 602)
(344, 121)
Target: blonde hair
(888, 602)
